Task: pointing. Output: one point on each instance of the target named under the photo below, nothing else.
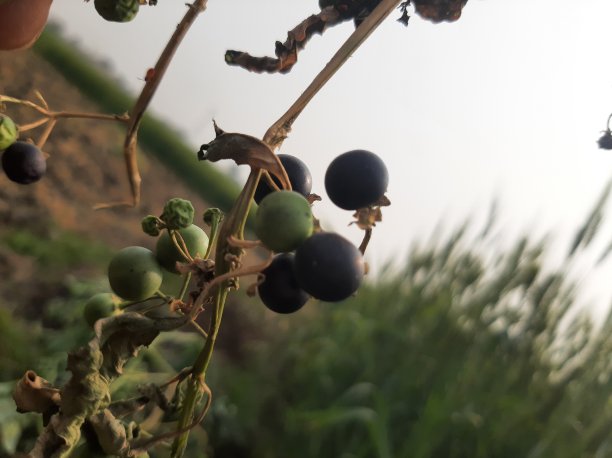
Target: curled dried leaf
(111, 433)
(244, 149)
(35, 394)
(287, 52)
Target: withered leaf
(35, 394)
(111, 433)
(244, 149)
(94, 366)
(287, 52)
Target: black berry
(356, 179)
(24, 163)
(298, 173)
(328, 267)
(280, 291)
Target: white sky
(505, 103)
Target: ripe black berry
(298, 173)
(356, 179)
(24, 163)
(605, 141)
(280, 291)
(328, 267)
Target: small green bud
(212, 216)
(178, 213)
(150, 225)
(8, 132)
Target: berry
(24, 163)
(356, 179)
(605, 141)
(280, 291)
(168, 255)
(178, 213)
(8, 132)
(299, 177)
(99, 306)
(150, 225)
(328, 267)
(283, 220)
(117, 10)
(134, 273)
(212, 216)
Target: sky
(504, 105)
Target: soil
(85, 167)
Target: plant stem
(186, 280)
(277, 133)
(148, 91)
(233, 225)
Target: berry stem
(186, 280)
(366, 239)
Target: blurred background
(484, 327)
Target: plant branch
(233, 225)
(277, 133)
(145, 97)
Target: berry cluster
(22, 162)
(309, 263)
(135, 273)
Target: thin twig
(145, 97)
(45, 135)
(277, 133)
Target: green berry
(168, 255)
(117, 10)
(134, 273)
(99, 306)
(150, 225)
(283, 221)
(8, 132)
(178, 213)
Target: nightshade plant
(81, 415)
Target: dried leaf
(286, 53)
(93, 368)
(244, 149)
(366, 218)
(111, 433)
(35, 394)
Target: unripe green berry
(8, 132)
(99, 306)
(168, 255)
(117, 10)
(178, 213)
(134, 273)
(283, 221)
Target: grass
(62, 250)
